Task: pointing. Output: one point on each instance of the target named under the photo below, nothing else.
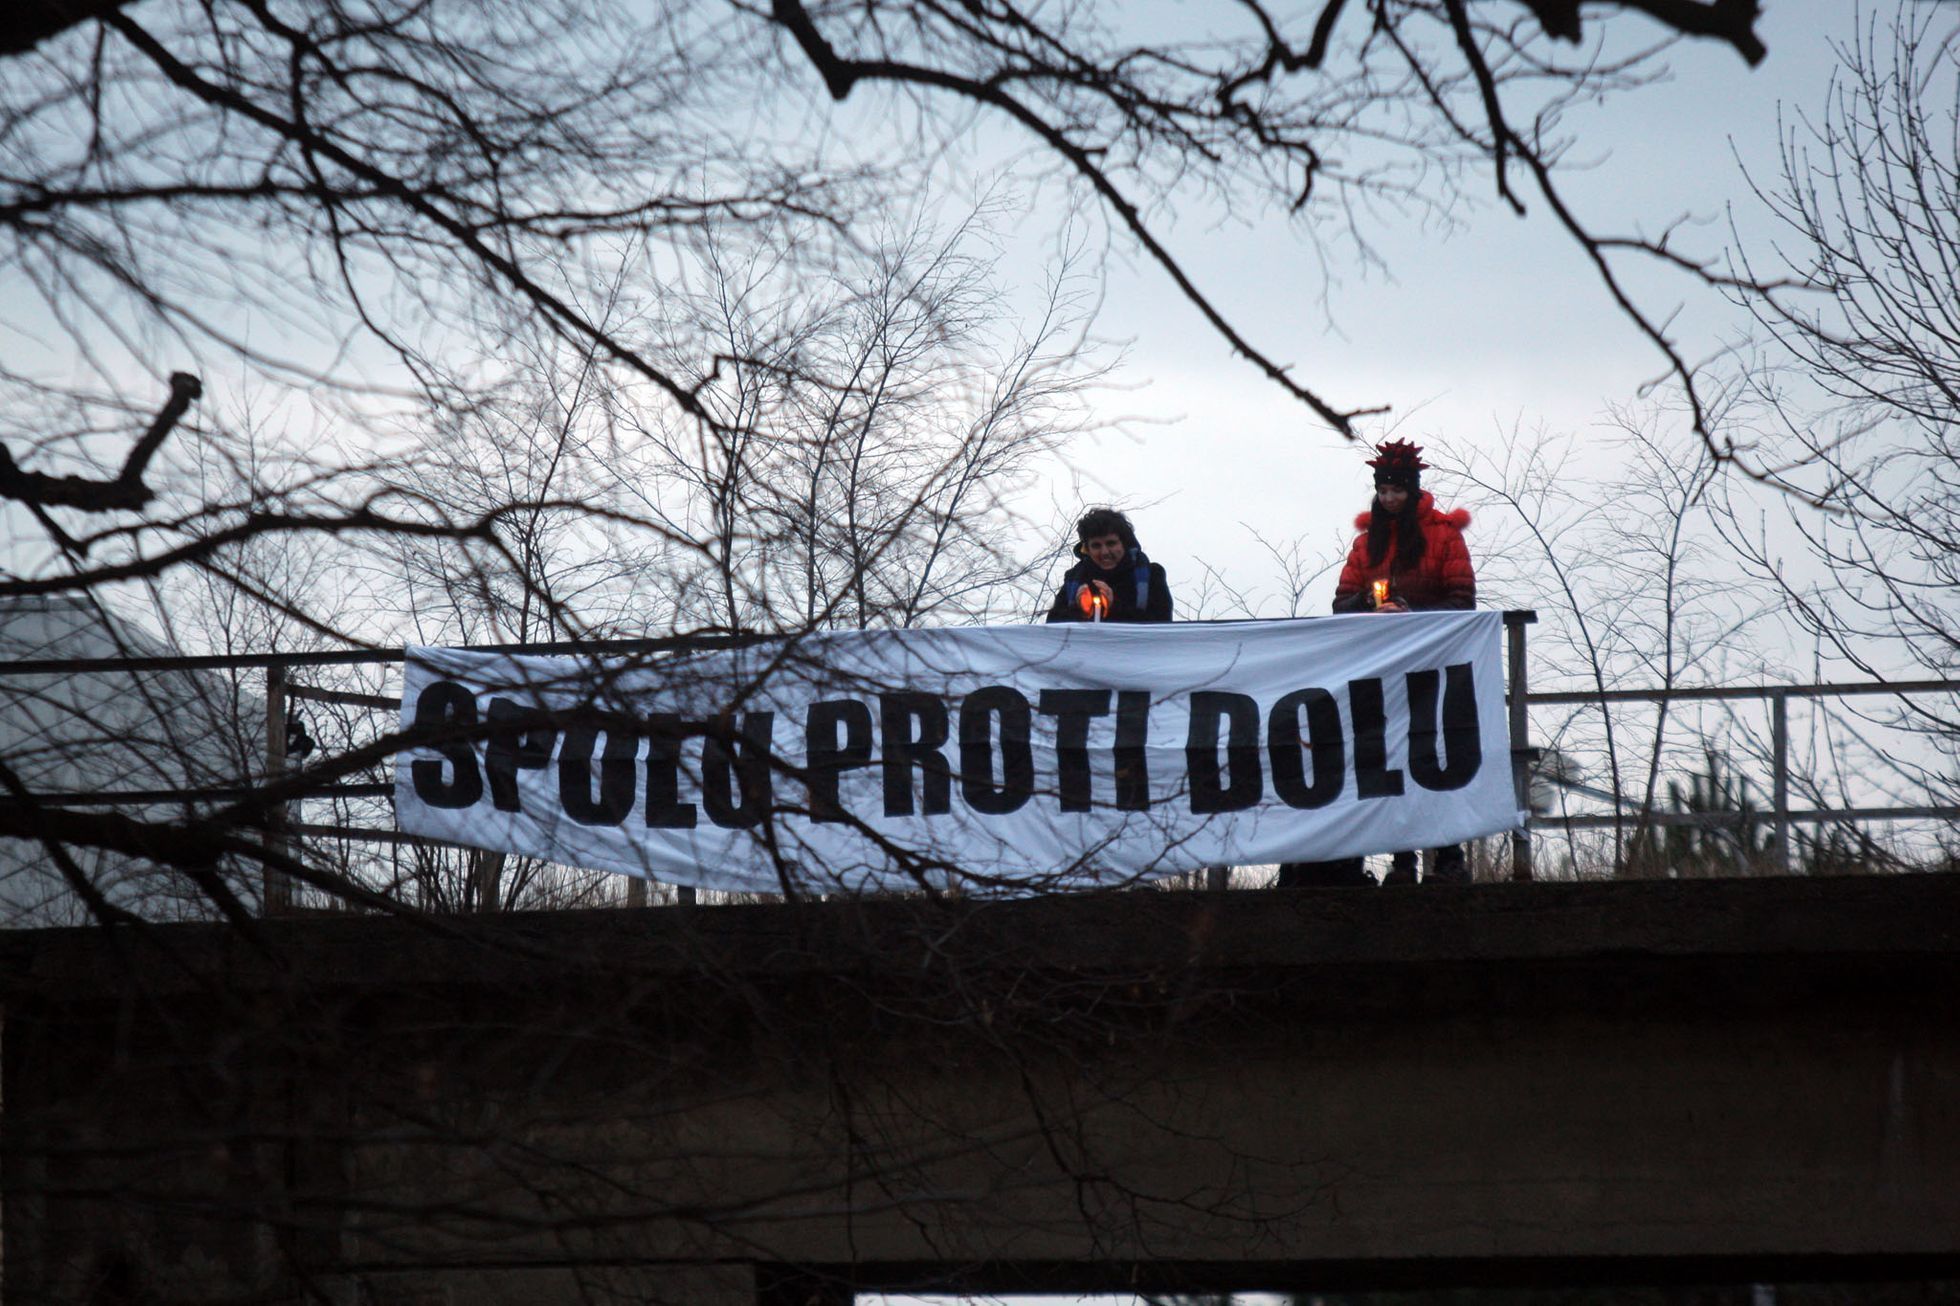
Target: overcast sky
(1497, 327)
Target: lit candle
(1381, 592)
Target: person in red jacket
(1408, 542)
(1409, 557)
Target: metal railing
(1780, 816)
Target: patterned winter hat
(1400, 463)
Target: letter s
(444, 710)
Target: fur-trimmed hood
(1426, 512)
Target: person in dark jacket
(1412, 555)
(1113, 581)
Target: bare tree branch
(127, 491)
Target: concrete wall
(1534, 1083)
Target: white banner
(1002, 756)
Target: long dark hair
(1409, 540)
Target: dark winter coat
(1441, 578)
(1123, 582)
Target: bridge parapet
(1185, 1090)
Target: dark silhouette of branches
(1119, 115)
(1858, 386)
(127, 491)
(308, 195)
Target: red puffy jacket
(1441, 578)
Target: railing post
(276, 891)
(1514, 623)
(487, 873)
(1779, 779)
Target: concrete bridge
(1505, 1084)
